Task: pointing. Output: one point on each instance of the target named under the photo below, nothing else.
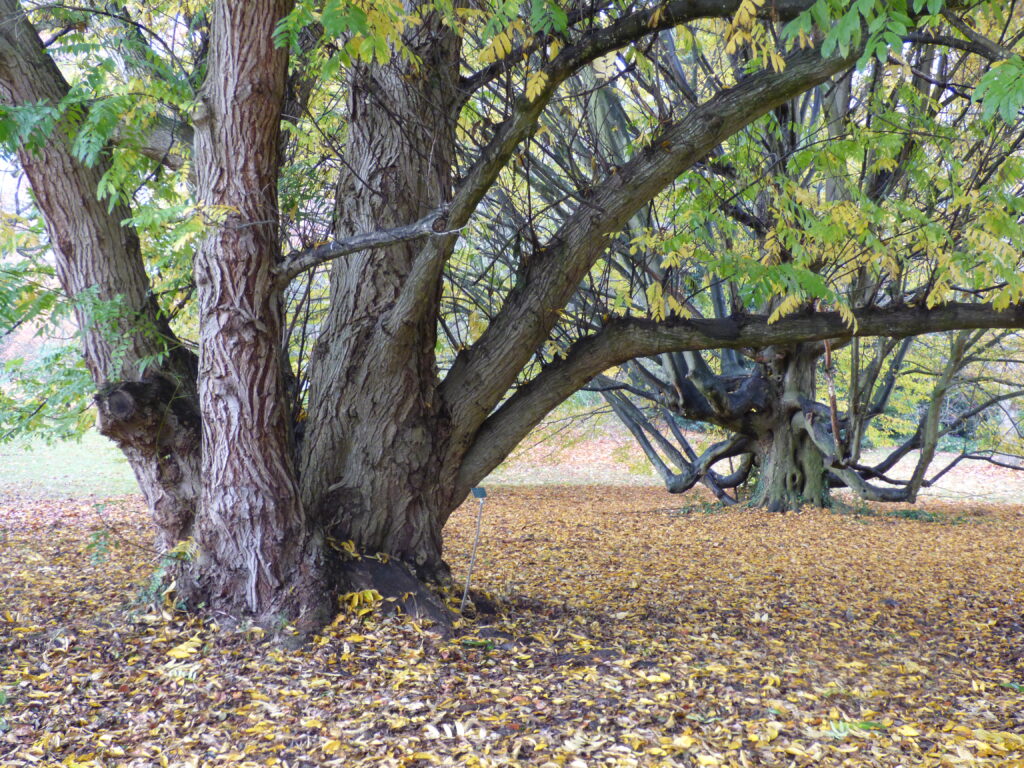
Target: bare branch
(434, 223)
(987, 50)
(992, 50)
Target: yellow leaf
(499, 47)
(429, 756)
(186, 549)
(535, 84)
(788, 305)
(331, 746)
(660, 677)
(604, 66)
(1002, 739)
(186, 649)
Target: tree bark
(374, 466)
(158, 428)
(389, 451)
(792, 467)
(258, 556)
(792, 471)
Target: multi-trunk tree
(193, 187)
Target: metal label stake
(481, 494)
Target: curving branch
(515, 129)
(626, 338)
(826, 444)
(482, 374)
(696, 469)
(983, 46)
(657, 18)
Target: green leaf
(1001, 90)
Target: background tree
(161, 144)
(876, 189)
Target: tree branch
(434, 223)
(162, 143)
(626, 338)
(479, 179)
(986, 49)
(481, 375)
(656, 18)
(993, 51)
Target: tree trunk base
(400, 589)
(792, 474)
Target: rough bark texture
(373, 468)
(98, 260)
(792, 468)
(389, 450)
(158, 429)
(257, 556)
(792, 472)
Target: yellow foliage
(788, 305)
(535, 83)
(498, 48)
(189, 648)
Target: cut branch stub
(120, 404)
(127, 405)
(159, 430)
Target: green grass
(862, 512)
(91, 466)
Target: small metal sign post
(478, 493)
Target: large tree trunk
(155, 421)
(257, 554)
(792, 471)
(792, 468)
(375, 469)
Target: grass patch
(92, 466)
(863, 512)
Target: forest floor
(618, 626)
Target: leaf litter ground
(615, 628)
